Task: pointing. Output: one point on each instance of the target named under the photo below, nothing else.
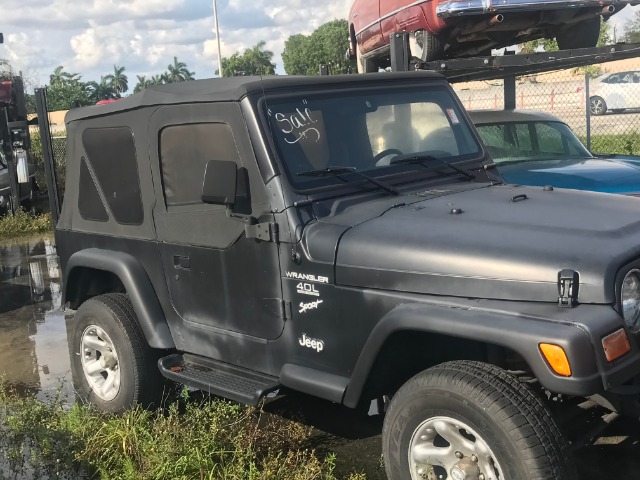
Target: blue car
(535, 148)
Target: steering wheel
(386, 153)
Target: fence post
(47, 154)
(588, 109)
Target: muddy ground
(34, 358)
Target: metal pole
(510, 92)
(588, 108)
(215, 17)
(47, 154)
(400, 52)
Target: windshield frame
(528, 123)
(392, 174)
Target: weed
(23, 223)
(189, 439)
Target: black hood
(501, 246)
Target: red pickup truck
(455, 28)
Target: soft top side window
(184, 152)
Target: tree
(632, 29)
(60, 96)
(254, 61)
(60, 77)
(103, 90)
(118, 80)
(304, 54)
(178, 72)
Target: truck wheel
(113, 365)
(470, 420)
(598, 106)
(425, 46)
(584, 34)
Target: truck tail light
(616, 345)
(556, 358)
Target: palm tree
(118, 80)
(158, 79)
(101, 91)
(143, 83)
(60, 77)
(178, 72)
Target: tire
(103, 326)
(481, 408)
(425, 46)
(598, 106)
(365, 65)
(584, 34)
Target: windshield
(536, 140)
(364, 131)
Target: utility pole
(215, 17)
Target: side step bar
(218, 378)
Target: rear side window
(111, 154)
(184, 153)
(89, 202)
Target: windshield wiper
(336, 171)
(422, 159)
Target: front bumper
(460, 8)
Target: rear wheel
(598, 106)
(113, 365)
(471, 420)
(425, 46)
(580, 35)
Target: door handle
(181, 262)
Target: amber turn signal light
(616, 345)
(556, 358)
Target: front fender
(519, 332)
(137, 285)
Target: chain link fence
(59, 145)
(601, 103)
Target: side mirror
(219, 186)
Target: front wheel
(598, 106)
(470, 420)
(112, 364)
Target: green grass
(625, 144)
(22, 224)
(188, 440)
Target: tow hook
(466, 469)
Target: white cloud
(90, 36)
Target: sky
(91, 36)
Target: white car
(615, 92)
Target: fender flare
(137, 284)
(511, 330)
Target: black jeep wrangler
(346, 237)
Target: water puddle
(34, 355)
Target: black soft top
(234, 89)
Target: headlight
(631, 300)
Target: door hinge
(568, 282)
(267, 232)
